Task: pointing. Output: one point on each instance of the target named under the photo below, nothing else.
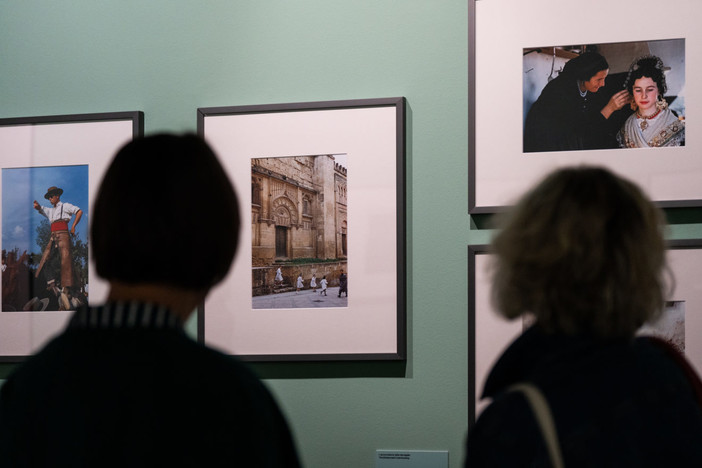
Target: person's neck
(181, 302)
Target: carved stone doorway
(281, 242)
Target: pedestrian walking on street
(300, 283)
(323, 284)
(343, 284)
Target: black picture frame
(498, 168)
(684, 260)
(473, 252)
(39, 142)
(371, 132)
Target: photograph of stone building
(299, 231)
(670, 326)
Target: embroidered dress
(663, 130)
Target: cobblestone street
(303, 300)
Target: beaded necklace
(646, 118)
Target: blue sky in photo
(21, 186)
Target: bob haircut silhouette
(166, 213)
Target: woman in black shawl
(567, 115)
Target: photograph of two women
(604, 96)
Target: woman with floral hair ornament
(652, 124)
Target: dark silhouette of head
(166, 213)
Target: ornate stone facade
(298, 209)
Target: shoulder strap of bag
(541, 410)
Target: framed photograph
(531, 110)
(320, 270)
(50, 172)
(489, 334)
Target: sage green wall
(169, 57)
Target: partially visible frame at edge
(499, 170)
(484, 347)
(61, 141)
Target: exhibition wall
(169, 57)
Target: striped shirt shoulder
(126, 315)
